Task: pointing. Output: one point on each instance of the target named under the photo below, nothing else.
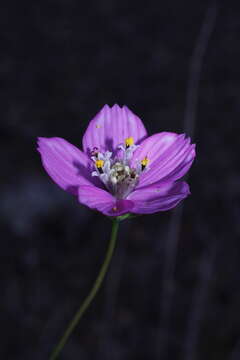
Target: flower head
(120, 169)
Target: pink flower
(120, 169)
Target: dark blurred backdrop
(173, 288)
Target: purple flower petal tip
(159, 197)
(65, 164)
(110, 127)
(120, 169)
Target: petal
(65, 164)
(170, 156)
(101, 200)
(110, 127)
(158, 197)
(179, 171)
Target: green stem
(92, 293)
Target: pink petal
(170, 156)
(101, 200)
(159, 197)
(110, 127)
(65, 164)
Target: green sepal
(124, 217)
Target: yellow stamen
(144, 162)
(114, 208)
(99, 164)
(129, 141)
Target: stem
(96, 286)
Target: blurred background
(172, 291)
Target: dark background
(173, 290)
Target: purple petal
(65, 164)
(170, 156)
(110, 127)
(101, 200)
(158, 197)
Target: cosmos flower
(120, 169)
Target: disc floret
(116, 173)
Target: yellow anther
(114, 208)
(99, 164)
(129, 141)
(144, 162)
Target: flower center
(116, 173)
